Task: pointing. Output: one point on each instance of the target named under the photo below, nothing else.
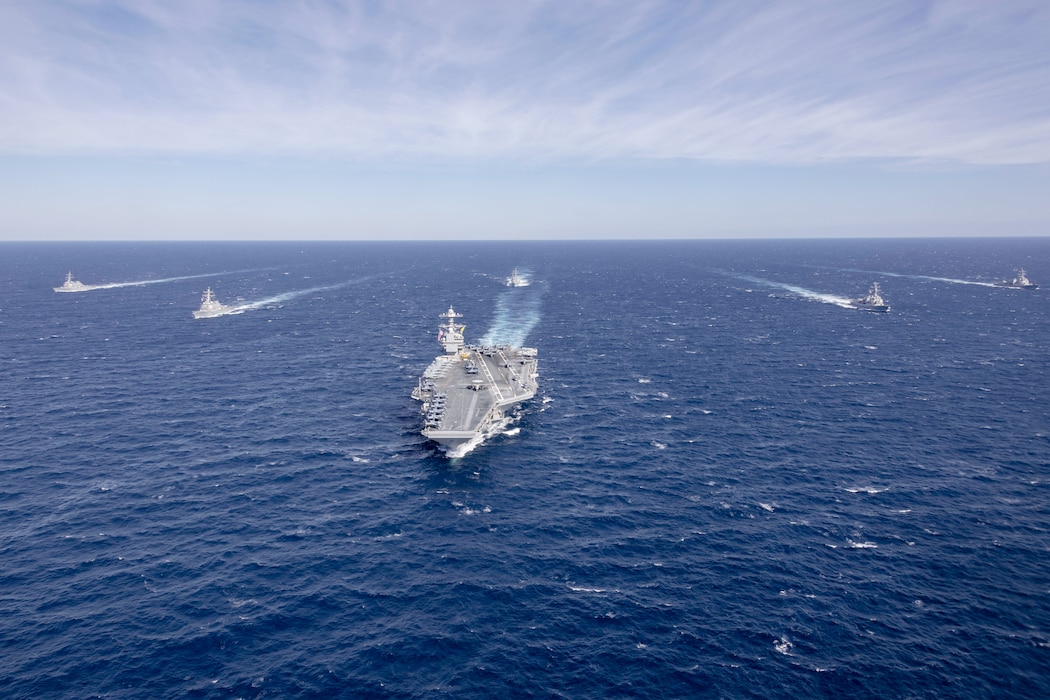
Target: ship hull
(209, 314)
(455, 445)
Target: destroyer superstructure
(470, 392)
(71, 285)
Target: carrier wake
(517, 313)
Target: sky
(523, 120)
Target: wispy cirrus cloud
(773, 82)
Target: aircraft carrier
(470, 392)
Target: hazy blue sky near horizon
(328, 119)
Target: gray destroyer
(72, 285)
(1021, 281)
(210, 306)
(469, 393)
(873, 300)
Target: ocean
(732, 484)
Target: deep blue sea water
(729, 486)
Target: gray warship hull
(471, 392)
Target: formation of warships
(472, 392)
(468, 394)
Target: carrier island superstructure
(470, 392)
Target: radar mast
(450, 336)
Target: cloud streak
(752, 82)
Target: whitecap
(870, 490)
(474, 511)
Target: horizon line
(680, 239)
